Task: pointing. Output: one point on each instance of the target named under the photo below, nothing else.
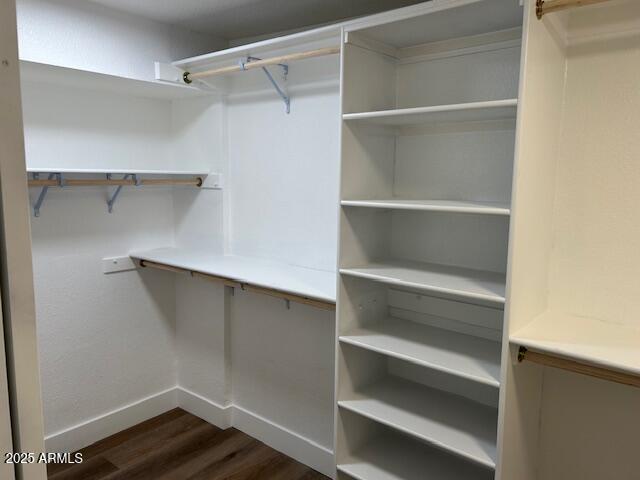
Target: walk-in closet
(300, 240)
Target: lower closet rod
(574, 366)
(89, 182)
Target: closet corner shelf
(585, 340)
(475, 359)
(393, 457)
(445, 279)
(463, 112)
(36, 72)
(253, 273)
(446, 421)
(452, 206)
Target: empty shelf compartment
(472, 358)
(447, 421)
(459, 281)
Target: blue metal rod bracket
(112, 200)
(285, 69)
(43, 192)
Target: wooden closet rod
(90, 182)
(574, 366)
(548, 6)
(189, 77)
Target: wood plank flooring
(179, 446)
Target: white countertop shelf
(462, 112)
(301, 281)
(453, 206)
(458, 281)
(394, 457)
(587, 340)
(446, 421)
(454, 353)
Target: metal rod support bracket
(43, 192)
(112, 200)
(285, 71)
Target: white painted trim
(209, 411)
(284, 440)
(276, 436)
(90, 431)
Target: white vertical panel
(17, 275)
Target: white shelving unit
(428, 138)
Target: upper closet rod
(543, 6)
(190, 77)
(90, 182)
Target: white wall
(105, 340)
(88, 36)
(283, 169)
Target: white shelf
(454, 353)
(453, 206)
(438, 20)
(584, 339)
(449, 422)
(463, 112)
(306, 282)
(122, 171)
(74, 78)
(296, 41)
(464, 282)
(393, 457)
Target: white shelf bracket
(112, 200)
(43, 192)
(285, 71)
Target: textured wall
(91, 37)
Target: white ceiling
(233, 19)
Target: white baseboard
(276, 436)
(212, 412)
(90, 431)
(280, 438)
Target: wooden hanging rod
(578, 367)
(189, 77)
(230, 282)
(549, 6)
(91, 182)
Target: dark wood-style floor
(179, 446)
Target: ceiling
(234, 19)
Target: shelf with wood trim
(308, 286)
(582, 345)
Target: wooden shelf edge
(230, 282)
(576, 366)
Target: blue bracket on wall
(43, 192)
(112, 200)
(285, 69)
